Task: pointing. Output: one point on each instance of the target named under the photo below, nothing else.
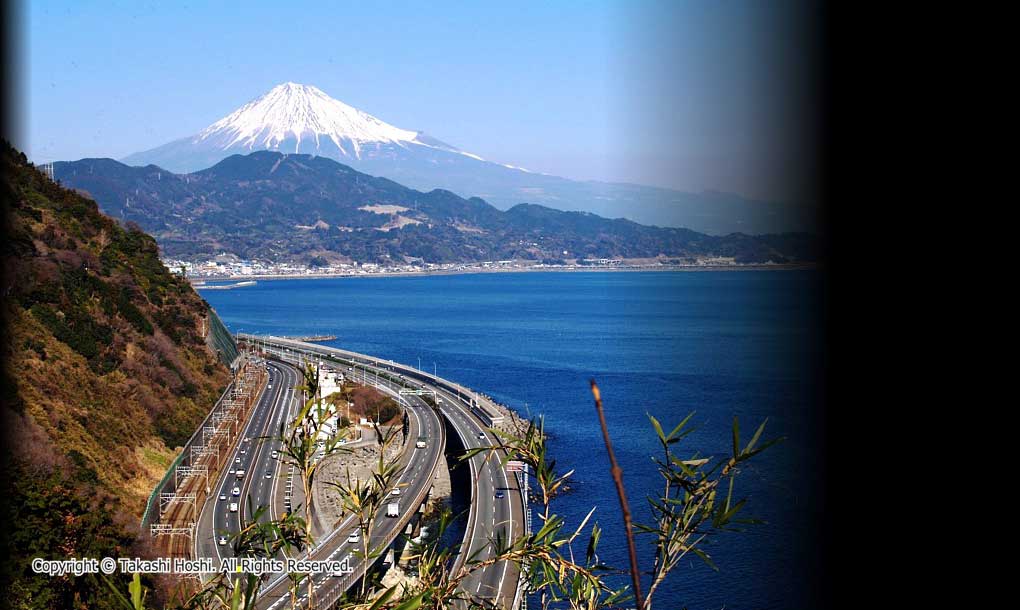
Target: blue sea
(720, 344)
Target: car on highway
(237, 460)
(341, 573)
(236, 491)
(222, 540)
(499, 495)
(481, 436)
(269, 474)
(223, 497)
(275, 454)
(395, 492)
(243, 451)
(233, 507)
(354, 538)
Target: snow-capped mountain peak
(302, 119)
(292, 114)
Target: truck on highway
(392, 509)
(421, 442)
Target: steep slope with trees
(106, 372)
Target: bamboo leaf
(385, 597)
(757, 434)
(412, 603)
(704, 557)
(658, 429)
(135, 588)
(765, 446)
(121, 599)
(583, 523)
(235, 599)
(729, 495)
(736, 437)
(683, 422)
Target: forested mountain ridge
(298, 208)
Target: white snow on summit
(302, 112)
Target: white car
(237, 460)
(222, 540)
(233, 507)
(275, 454)
(223, 497)
(395, 492)
(354, 538)
(236, 491)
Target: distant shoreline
(659, 269)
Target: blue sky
(692, 96)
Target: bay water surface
(721, 344)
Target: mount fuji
(302, 119)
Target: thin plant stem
(635, 574)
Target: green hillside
(106, 373)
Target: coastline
(472, 271)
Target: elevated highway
(266, 481)
(418, 468)
(497, 500)
(261, 473)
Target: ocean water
(720, 344)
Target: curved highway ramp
(497, 502)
